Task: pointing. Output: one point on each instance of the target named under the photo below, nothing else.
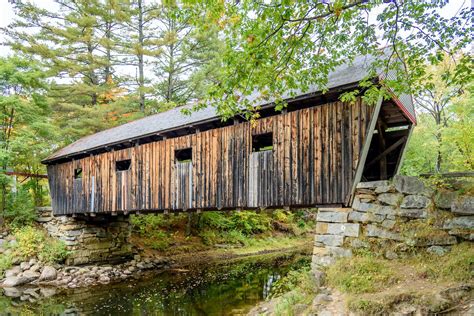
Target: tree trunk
(141, 76)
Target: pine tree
(190, 54)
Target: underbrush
(297, 287)
(360, 274)
(456, 265)
(367, 279)
(236, 229)
(33, 242)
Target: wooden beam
(382, 147)
(387, 151)
(26, 174)
(403, 151)
(365, 148)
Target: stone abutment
(391, 218)
(92, 239)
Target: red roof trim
(402, 107)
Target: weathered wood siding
(313, 161)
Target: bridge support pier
(390, 219)
(90, 239)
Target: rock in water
(15, 281)
(48, 274)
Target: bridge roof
(151, 125)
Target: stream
(226, 288)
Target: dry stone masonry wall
(393, 217)
(90, 240)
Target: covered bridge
(311, 154)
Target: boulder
(35, 268)
(332, 216)
(463, 205)
(383, 210)
(393, 199)
(463, 222)
(362, 217)
(25, 266)
(12, 292)
(339, 252)
(361, 206)
(13, 271)
(391, 255)
(48, 274)
(408, 185)
(15, 281)
(412, 213)
(444, 199)
(375, 231)
(31, 275)
(415, 201)
(329, 240)
(438, 250)
(390, 188)
(344, 229)
(373, 184)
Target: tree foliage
(281, 47)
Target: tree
(443, 141)
(435, 96)
(189, 55)
(26, 130)
(73, 45)
(276, 47)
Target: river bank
(219, 283)
(30, 280)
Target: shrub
(159, 240)
(301, 279)
(215, 220)
(53, 251)
(249, 222)
(360, 274)
(209, 237)
(29, 240)
(20, 209)
(5, 264)
(33, 242)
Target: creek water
(228, 288)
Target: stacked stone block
(91, 240)
(403, 212)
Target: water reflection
(224, 289)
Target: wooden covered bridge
(311, 154)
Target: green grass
(366, 307)
(297, 287)
(360, 275)
(456, 265)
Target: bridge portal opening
(389, 139)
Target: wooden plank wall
(313, 161)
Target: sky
(7, 14)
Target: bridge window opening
(183, 155)
(123, 165)
(262, 142)
(78, 173)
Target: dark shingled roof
(150, 125)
